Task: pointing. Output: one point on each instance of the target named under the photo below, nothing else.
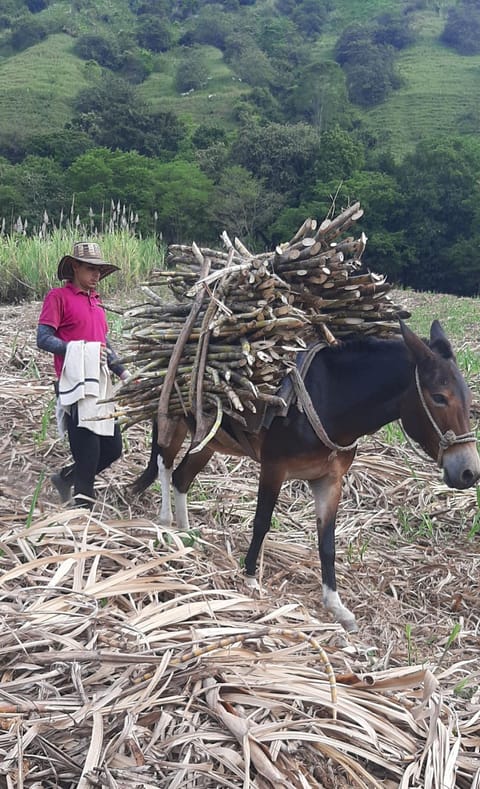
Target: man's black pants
(92, 454)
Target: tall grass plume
(29, 261)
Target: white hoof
(341, 613)
(252, 583)
(349, 624)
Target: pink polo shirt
(75, 315)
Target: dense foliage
(462, 30)
(367, 53)
(294, 146)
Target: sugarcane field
(133, 651)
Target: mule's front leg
(327, 492)
(268, 490)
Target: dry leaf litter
(133, 656)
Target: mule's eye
(439, 399)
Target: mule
(352, 390)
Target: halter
(447, 439)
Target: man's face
(85, 275)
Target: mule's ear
(417, 347)
(439, 342)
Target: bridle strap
(447, 439)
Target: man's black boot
(63, 482)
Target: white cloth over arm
(85, 381)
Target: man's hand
(125, 377)
(103, 355)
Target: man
(72, 325)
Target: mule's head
(436, 409)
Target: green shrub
(25, 33)
(104, 50)
(192, 72)
(462, 29)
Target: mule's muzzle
(467, 479)
(461, 467)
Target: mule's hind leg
(165, 517)
(160, 465)
(165, 460)
(182, 478)
(327, 492)
(268, 489)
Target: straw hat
(84, 252)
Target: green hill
(249, 115)
(440, 94)
(37, 87)
(214, 101)
(348, 11)
(440, 89)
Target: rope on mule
(305, 404)
(447, 439)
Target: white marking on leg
(165, 479)
(252, 583)
(181, 510)
(333, 604)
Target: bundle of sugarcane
(239, 320)
(221, 350)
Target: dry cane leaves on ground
(134, 657)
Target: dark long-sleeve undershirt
(48, 341)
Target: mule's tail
(150, 474)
